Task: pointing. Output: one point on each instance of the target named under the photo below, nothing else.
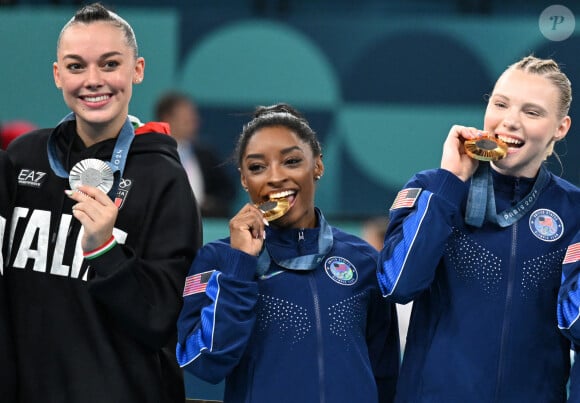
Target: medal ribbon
(481, 199)
(306, 262)
(118, 159)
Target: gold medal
(91, 172)
(486, 148)
(274, 208)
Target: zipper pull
(300, 235)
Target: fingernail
(68, 192)
(266, 223)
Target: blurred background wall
(380, 81)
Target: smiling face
(96, 69)
(277, 163)
(523, 112)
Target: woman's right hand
(455, 159)
(97, 214)
(247, 230)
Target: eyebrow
(526, 104)
(102, 57)
(283, 152)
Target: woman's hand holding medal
(455, 159)
(465, 146)
(247, 230)
(96, 212)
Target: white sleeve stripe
(218, 275)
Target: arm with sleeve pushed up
(416, 236)
(568, 310)
(214, 326)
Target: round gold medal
(486, 148)
(274, 208)
(91, 172)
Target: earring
(246, 189)
(317, 177)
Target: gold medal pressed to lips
(91, 172)
(274, 208)
(486, 148)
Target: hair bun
(276, 108)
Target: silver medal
(91, 172)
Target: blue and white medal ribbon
(306, 262)
(116, 165)
(481, 199)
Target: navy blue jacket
(322, 335)
(569, 296)
(483, 327)
(569, 310)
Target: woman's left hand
(97, 213)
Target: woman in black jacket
(105, 227)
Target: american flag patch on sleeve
(572, 254)
(196, 283)
(406, 198)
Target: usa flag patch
(196, 283)
(572, 254)
(406, 198)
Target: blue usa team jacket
(569, 296)
(569, 310)
(322, 335)
(483, 327)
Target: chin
(95, 117)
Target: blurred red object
(10, 130)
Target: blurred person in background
(213, 188)
(373, 231)
(12, 129)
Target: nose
(93, 77)
(277, 175)
(511, 120)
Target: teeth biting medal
(486, 148)
(274, 208)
